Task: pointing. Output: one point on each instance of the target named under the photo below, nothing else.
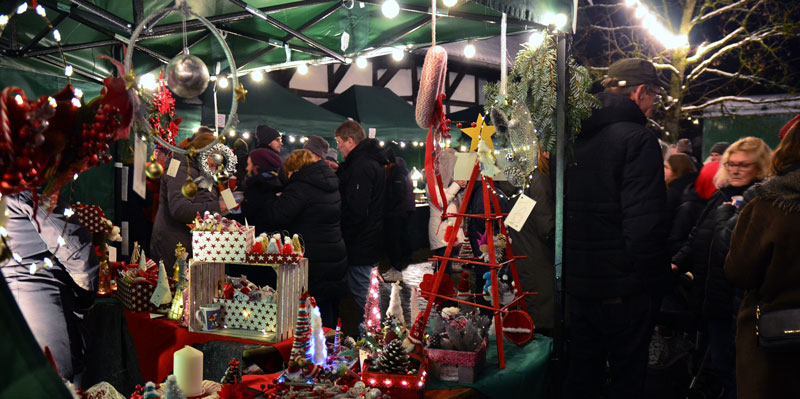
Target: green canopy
(268, 103)
(378, 108)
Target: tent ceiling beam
(100, 43)
(138, 12)
(54, 23)
(312, 93)
(79, 16)
(193, 43)
(385, 77)
(286, 38)
(47, 59)
(335, 77)
(451, 88)
(271, 42)
(455, 14)
(286, 28)
(114, 20)
(402, 32)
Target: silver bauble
(218, 159)
(187, 76)
(222, 176)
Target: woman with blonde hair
(744, 163)
(763, 261)
(310, 205)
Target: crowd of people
(647, 226)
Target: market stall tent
(271, 104)
(380, 109)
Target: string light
(536, 39)
(402, 144)
(78, 93)
(40, 10)
(303, 139)
(257, 75)
(68, 70)
(3, 20)
(18, 99)
(222, 82)
(75, 176)
(398, 54)
(68, 212)
(148, 82)
(76, 102)
(246, 135)
(651, 24)
(449, 3)
(3, 232)
(390, 8)
(302, 69)
(382, 143)
(22, 8)
(291, 139)
(361, 62)
(469, 50)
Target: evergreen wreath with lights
(161, 115)
(534, 81)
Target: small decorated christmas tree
(372, 310)
(337, 338)
(173, 391)
(393, 359)
(302, 331)
(150, 391)
(319, 350)
(233, 374)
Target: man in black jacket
(615, 260)
(362, 181)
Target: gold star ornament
(241, 93)
(481, 131)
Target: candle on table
(188, 368)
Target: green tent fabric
(378, 108)
(268, 103)
(26, 372)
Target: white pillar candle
(188, 369)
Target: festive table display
(248, 307)
(275, 249)
(144, 287)
(218, 239)
(457, 344)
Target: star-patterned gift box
(261, 258)
(249, 315)
(222, 247)
(135, 296)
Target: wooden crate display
(205, 284)
(225, 247)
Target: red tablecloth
(157, 339)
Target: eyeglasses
(740, 165)
(656, 93)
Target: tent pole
(558, 359)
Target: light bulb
(382, 143)
(291, 139)
(3, 19)
(246, 135)
(68, 70)
(390, 8)
(257, 75)
(78, 92)
(398, 54)
(449, 3)
(222, 82)
(536, 39)
(22, 7)
(302, 69)
(148, 82)
(469, 51)
(361, 62)
(76, 102)
(40, 10)
(232, 133)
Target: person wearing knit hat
(788, 126)
(262, 160)
(718, 149)
(318, 146)
(268, 137)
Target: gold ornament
(480, 132)
(241, 93)
(189, 189)
(222, 176)
(130, 80)
(192, 152)
(153, 170)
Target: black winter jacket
(259, 191)
(362, 182)
(310, 206)
(675, 193)
(710, 291)
(615, 199)
(685, 218)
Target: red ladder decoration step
(489, 194)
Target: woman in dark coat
(744, 163)
(260, 185)
(175, 211)
(763, 261)
(310, 206)
(679, 172)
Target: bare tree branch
(703, 49)
(695, 108)
(750, 38)
(667, 66)
(613, 28)
(751, 78)
(705, 17)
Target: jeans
(358, 282)
(47, 302)
(616, 331)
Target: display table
(526, 371)
(157, 339)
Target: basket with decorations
(457, 344)
(219, 239)
(247, 306)
(275, 250)
(145, 287)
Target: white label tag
(227, 196)
(520, 212)
(373, 132)
(362, 356)
(139, 158)
(158, 295)
(112, 254)
(172, 170)
(221, 120)
(124, 184)
(465, 163)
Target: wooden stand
(206, 280)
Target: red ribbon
(227, 291)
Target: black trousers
(613, 331)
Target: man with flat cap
(616, 267)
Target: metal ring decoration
(232, 119)
(222, 149)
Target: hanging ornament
(187, 75)
(221, 176)
(189, 189)
(153, 169)
(222, 156)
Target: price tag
(227, 196)
(221, 120)
(520, 212)
(158, 294)
(112, 254)
(139, 158)
(373, 132)
(172, 170)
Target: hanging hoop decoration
(227, 158)
(130, 77)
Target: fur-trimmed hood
(783, 191)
